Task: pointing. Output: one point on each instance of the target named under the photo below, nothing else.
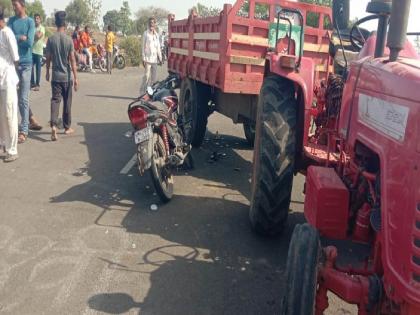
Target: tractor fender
(303, 77)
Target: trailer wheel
(274, 156)
(302, 271)
(249, 131)
(194, 112)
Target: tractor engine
(327, 109)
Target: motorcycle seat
(158, 106)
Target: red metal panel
(243, 76)
(384, 91)
(327, 202)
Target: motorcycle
(158, 135)
(99, 58)
(119, 60)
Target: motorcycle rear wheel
(119, 62)
(161, 175)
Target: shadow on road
(238, 273)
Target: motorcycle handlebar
(159, 85)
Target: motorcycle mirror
(150, 91)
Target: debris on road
(154, 207)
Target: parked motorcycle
(159, 136)
(119, 60)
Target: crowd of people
(21, 51)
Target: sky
(180, 7)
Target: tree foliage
(327, 3)
(84, 12)
(131, 46)
(143, 15)
(125, 18)
(206, 11)
(7, 6)
(119, 20)
(35, 7)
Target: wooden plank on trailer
(249, 40)
(207, 36)
(180, 35)
(206, 55)
(243, 60)
(179, 51)
(322, 48)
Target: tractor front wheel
(274, 156)
(302, 271)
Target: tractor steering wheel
(356, 36)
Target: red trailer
(222, 59)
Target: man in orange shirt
(109, 48)
(86, 42)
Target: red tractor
(356, 138)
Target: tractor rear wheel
(274, 156)
(194, 110)
(302, 271)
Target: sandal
(35, 126)
(22, 138)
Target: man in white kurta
(9, 56)
(151, 54)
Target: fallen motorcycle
(159, 136)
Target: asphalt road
(77, 235)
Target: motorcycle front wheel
(161, 174)
(119, 62)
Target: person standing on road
(37, 53)
(9, 57)
(109, 48)
(152, 55)
(76, 38)
(86, 42)
(60, 51)
(24, 29)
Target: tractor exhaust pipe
(398, 27)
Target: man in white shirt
(152, 55)
(9, 80)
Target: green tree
(143, 15)
(77, 12)
(95, 7)
(7, 6)
(112, 18)
(206, 11)
(125, 18)
(119, 20)
(84, 12)
(35, 7)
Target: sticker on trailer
(387, 117)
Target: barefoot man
(60, 51)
